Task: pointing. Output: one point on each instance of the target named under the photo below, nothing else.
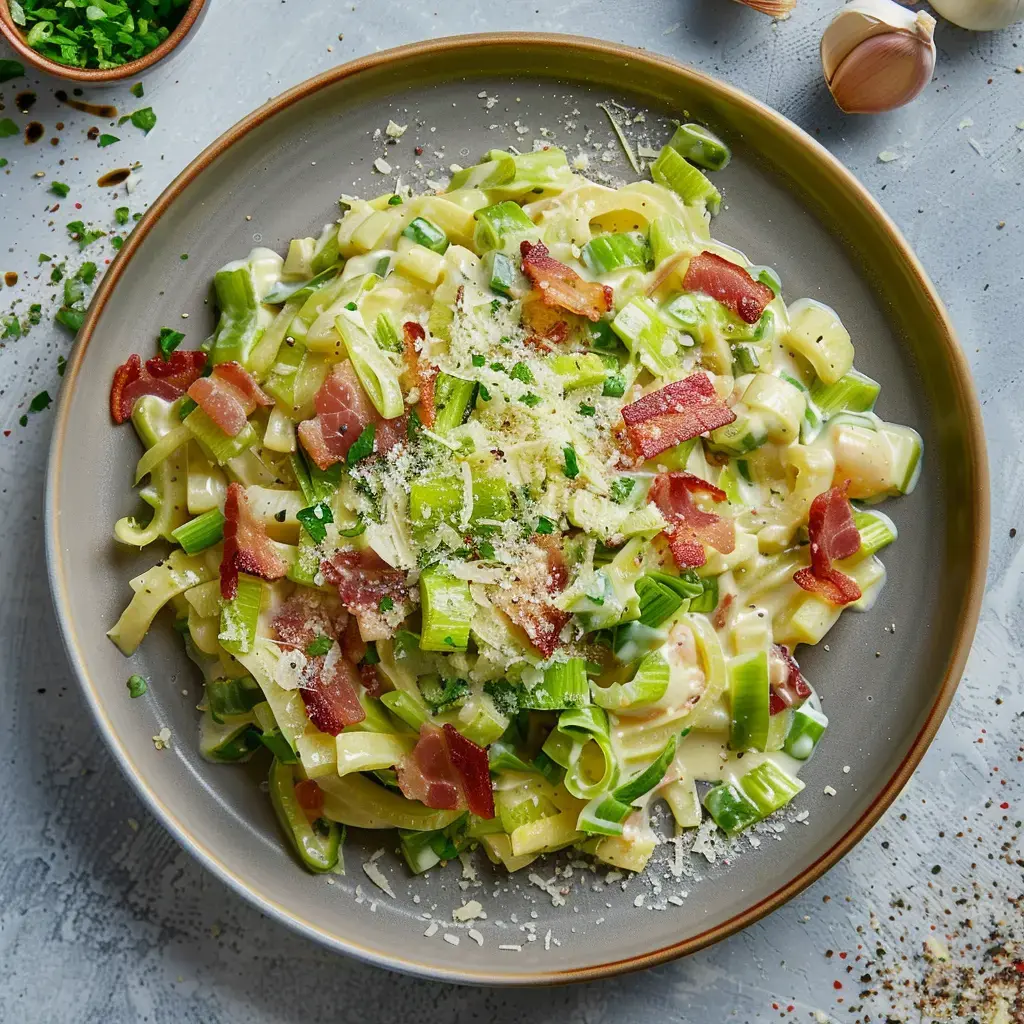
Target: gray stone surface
(104, 919)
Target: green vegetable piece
(730, 809)
(137, 90)
(565, 685)
(501, 272)
(877, 531)
(107, 140)
(502, 226)
(749, 693)
(200, 533)
(314, 520)
(672, 171)
(317, 845)
(8, 128)
(853, 392)
(137, 686)
(805, 730)
(769, 787)
(122, 214)
(10, 69)
(229, 698)
(448, 609)
(168, 341)
(362, 447)
(58, 188)
(571, 466)
(426, 233)
(607, 253)
(700, 146)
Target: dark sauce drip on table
(25, 101)
(33, 132)
(97, 109)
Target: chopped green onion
(565, 685)
(622, 488)
(614, 386)
(749, 693)
(501, 225)
(501, 272)
(240, 616)
(200, 533)
(168, 341)
(448, 609)
(805, 730)
(769, 787)
(672, 171)
(876, 531)
(700, 146)
(730, 809)
(429, 235)
(607, 253)
(320, 644)
(453, 398)
(853, 392)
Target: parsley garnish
(572, 466)
(320, 644)
(530, 399)
(484, 393)
(315, 519)
(622, 488)
(82, 235)
(10, 69)
(7, 128)
(57, 273)
(486, 549)
(504, 694)
(478, 360)
(144, 119)
(587, 410)
(386, 604)
(43, 258)
(12, 328)
(395, 201)
(40, 402)
(35, 313)
(168, 341)
(351, 307)
(522, 372)
(107, 140)
(363, 445)
(545, 525)
(614, 386)
(354, 531)
(58, 188)
(187, 406)
(3, 161)
(121, 215)
(137, 91)
(137, 686)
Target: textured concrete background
(104, 919)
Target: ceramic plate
(788, 204)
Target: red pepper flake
(842, 956)
(837, 985)
(790, 1008)
(1004, 806)
(7, 433)
(78, 206)
(418, 151)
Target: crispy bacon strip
(247, 548)
(675, 413)
(228, 396)
(789, 688)
(168, 379)
(561, 286)
(689, 527)
(527, 603)
(363, 580)
(546, 326)
(833, 536)
(730, 284)
(446, 771)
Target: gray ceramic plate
(789, 204)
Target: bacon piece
(343, 410)
(675, 413)
(470, 761)
(228, 396)
(363, 580)
(689, 527)
(428, 775)
(329, 691)
(546, 326)
(527, 602)
(833, 536)
(448, 772)
(561, 286)
(247, 548)
(308, 614)
(789, 688)
(353, 646)
(420, 373)
(166, 378)
(730, 284)
(373, 682)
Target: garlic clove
(877, 55)
(773, 8)
(882, 73)
(981, 15)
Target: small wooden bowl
(100, 76)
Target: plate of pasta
(492, 535)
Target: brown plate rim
(971, 602)
(98, 76)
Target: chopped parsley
(522, 372)
(144, 119)
(10, 69)
(504, 694)
(82, 235)
(43, 258)
(3, 161)
(35, 313)
(58, 188)
(137, 686)
(7, 128)
(622, 488)
(121, 215)
(614, 386)
(351, 307)
(572, 466)
(478, 360)
(530, 399)
(168, 341)
(545, 525)
(362, 447)
(386, 604)
(486, 550)
(137, 91)
(395, 201)
(315, 519)
(12, 328)
(587, 410)
(40, 402)
(107, 140)
(442, 693)
(320, 644)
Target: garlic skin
(773, 8)
(877, 55)
(981, 15)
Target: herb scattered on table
(10, 69)
(58, 188)
(82, 235)
(107, 140)
(121, 215)
(137, 91)
(143, 118)
(168, 341)
(8, 128)
(137, 686)
(96, 33)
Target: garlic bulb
(981, 15)
(877, 55)
(773, 8)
